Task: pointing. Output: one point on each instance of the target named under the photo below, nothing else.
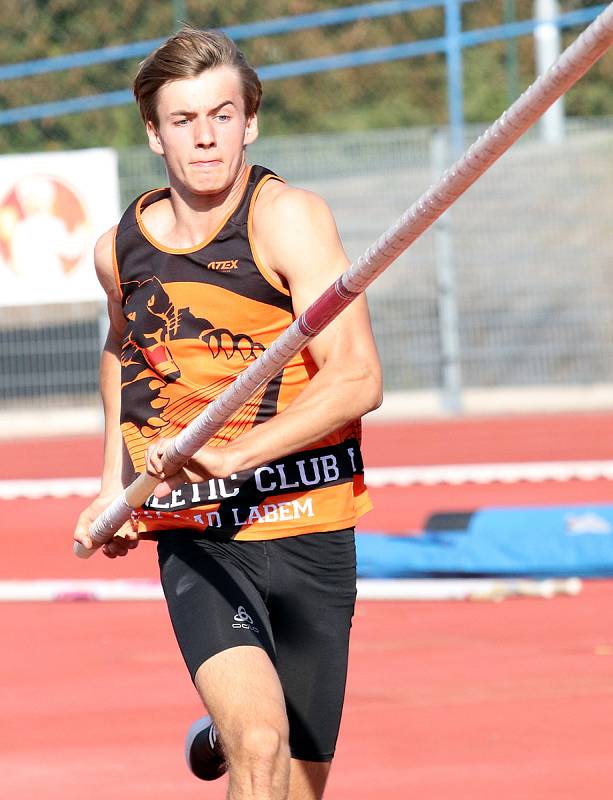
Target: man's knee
(260, 742)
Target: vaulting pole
(525, 111)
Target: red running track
(459, 700)
(445, 700)
(45, 526)
(476, 440)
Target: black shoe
(203, 751)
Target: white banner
(53, 207)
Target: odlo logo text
(243, 620)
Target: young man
(255, 534)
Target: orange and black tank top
(196, 318)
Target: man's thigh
(214, 600)
(241, 690)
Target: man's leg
(311, 605)
(308, 779)
(214, 593)
(241, 690)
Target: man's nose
(204, 133)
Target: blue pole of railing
(455, 82)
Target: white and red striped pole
(525, 111)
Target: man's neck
(194, 218)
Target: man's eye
(181, 122)
(223, 117)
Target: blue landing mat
(553, 540)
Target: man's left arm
(303, 247)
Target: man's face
(202, 130)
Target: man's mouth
(209, 163)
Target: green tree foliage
(401, 93)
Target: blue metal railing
(452, 44)
(250, 30)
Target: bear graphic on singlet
(154, 323)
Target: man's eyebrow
(221, 105)
(181, 113)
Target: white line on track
(376, 477)
(492, 589)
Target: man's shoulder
(159, 216)
(283, 203)
(103, 249)
(104, 261)
(295, 233)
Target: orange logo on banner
(44, 228)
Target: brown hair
(186, 55)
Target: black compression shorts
(293, 597)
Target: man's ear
(251, 131)
(155, 143)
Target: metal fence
(528, 248)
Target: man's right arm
(110, 389)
